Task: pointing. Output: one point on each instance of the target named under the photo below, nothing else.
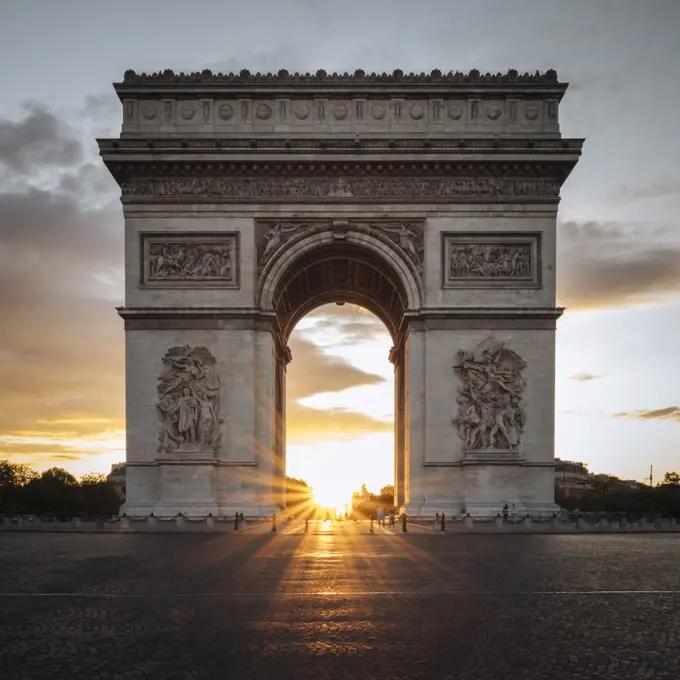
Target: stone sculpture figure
(407, 240)
(189, 402)
(275, 238)
(490, 413)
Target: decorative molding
(189, 403)
(340, 189)
(189, 260)
(321, 77)
(397, 145)
(491, 260)
(490, 418)
(405, 238)
(196, 318)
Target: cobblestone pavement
(339, 602)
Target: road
(339, 602)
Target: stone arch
(342, 263)
(357, 266)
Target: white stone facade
(442, 222)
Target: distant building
(572, 478)
(117, 478)
(616, 482)
(632, 484)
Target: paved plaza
(339, 602)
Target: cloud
(658, 189)
(322, 372)
(668, 413)
(605, 264)
(585, 377)
(38, 141)
(61, 276)
(305, 424)
(349, 323)
(314, 371)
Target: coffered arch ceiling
(341, 273)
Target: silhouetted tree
(298, 496)
(55, 491)
(671, 478)
(387, 496)
(97, 496)
(13, 477)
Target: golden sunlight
(340, 404)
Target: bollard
(499, 521)
(274, 529)
(527, 521)
(77, 522)
(641, 524)
(210, 521)
(236, 521)
(124, 522)
(370, 531)
(603, 524)
(151, 520)
(403, 524)
(469, 522)
(307, 526)
(658, 523)
(179, 521)
(443, 523)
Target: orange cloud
(667, 413)
(307, 424)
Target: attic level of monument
(371, 106)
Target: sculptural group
(189, 401)
(490, 413)
(477, 260)
(181, 261)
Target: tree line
(56, 492)
(612, 495)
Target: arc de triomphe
(250, 199)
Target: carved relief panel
(206, 260)
(345, 189)
(189, 403)
(491, 414)
(504, 260)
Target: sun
(332, 497)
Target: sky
(61, 226)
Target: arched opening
(337, 419)
(340, 273)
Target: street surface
(339, 602)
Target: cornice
(487, 313)
(126, 170)
(323, 79)
(332, 145)
(194, 312)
